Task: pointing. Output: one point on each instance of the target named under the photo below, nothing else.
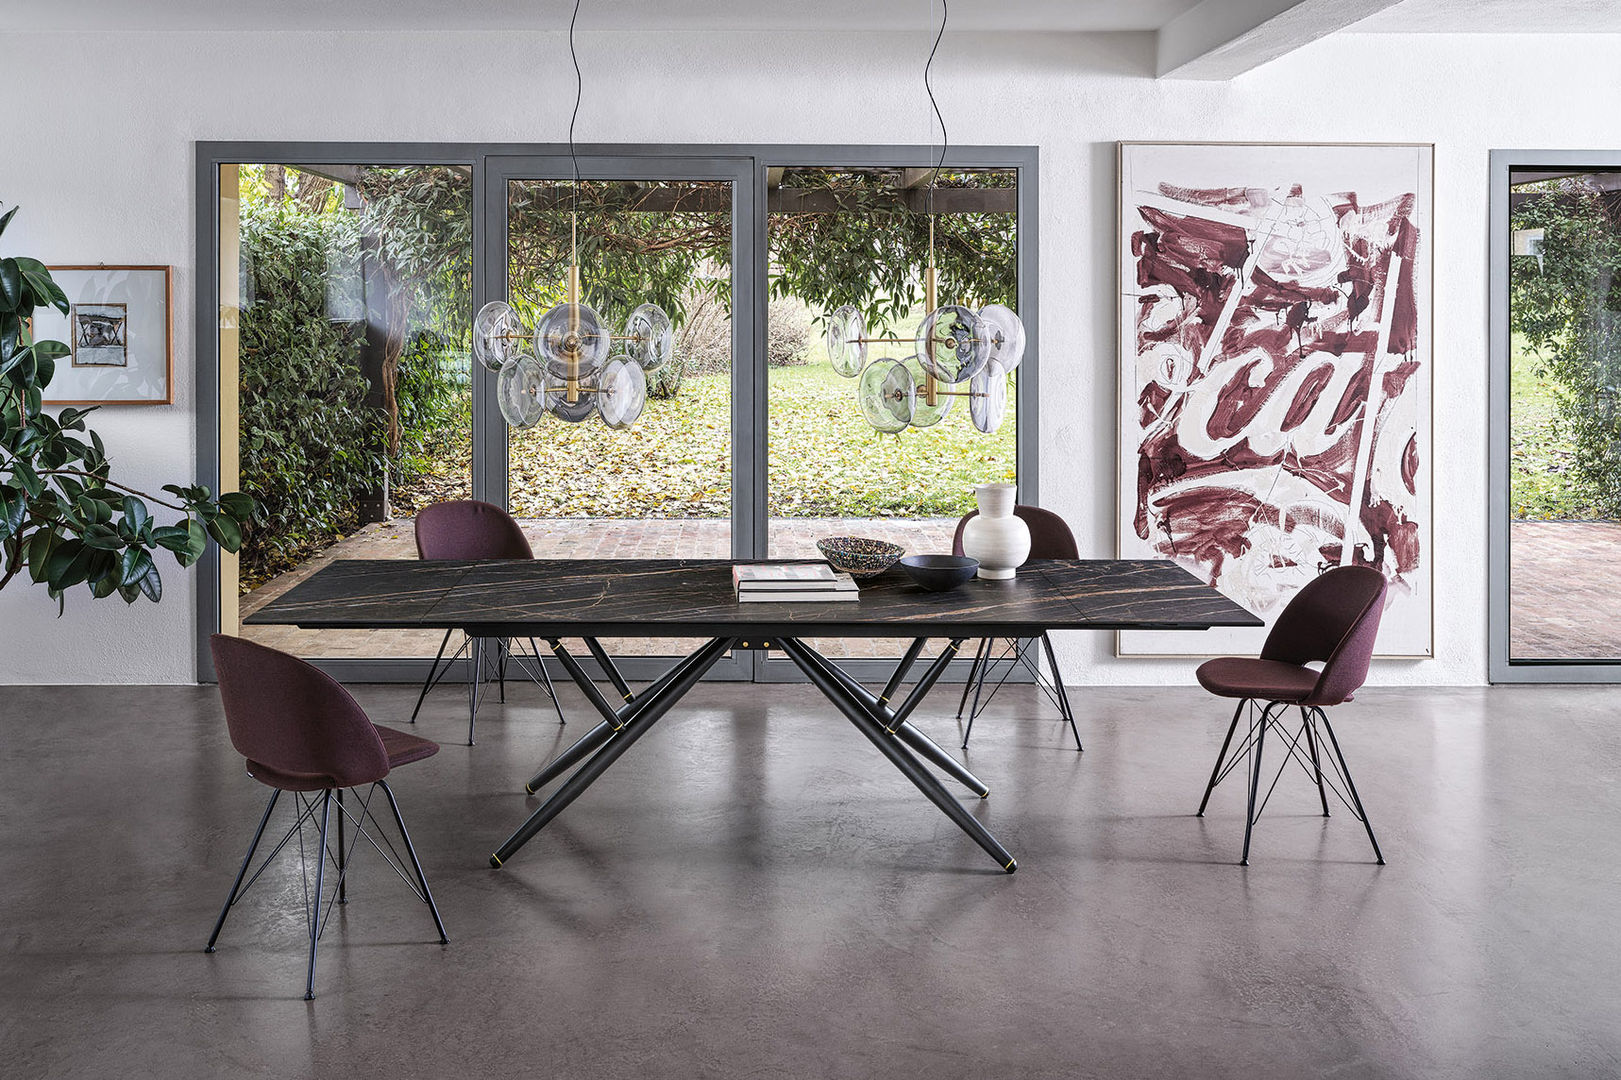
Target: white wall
(103, 169)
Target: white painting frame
(119, 331)
(1241, 394)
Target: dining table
(560, 600)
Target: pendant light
(571, 365)
(954, 345)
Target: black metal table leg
(894, 720)
(609, 668)
(649, 708)
(901, 669)
(614, 719)
(879, 735)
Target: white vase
(998, 539)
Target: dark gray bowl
(937, 573)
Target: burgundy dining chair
(1050, 538)
(301, 732)
(467, 529)
(1333, 621)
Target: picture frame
(1213, 351)
(119, 330)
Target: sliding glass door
(345, 301)
(1556, 473)
(335, 335)
(669, 231)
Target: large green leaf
(38, 553)
(11, 284)
(151, 583)
(5, 219)
(238, 505)
(136, 515)
(13, 507)
(225, 530)
(46, 291)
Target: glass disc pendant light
(567, 366)
(954, 346)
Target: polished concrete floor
(754, 892)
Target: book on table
(792, 582)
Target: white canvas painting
(1275, 376)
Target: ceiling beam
(1222, 39)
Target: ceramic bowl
(938, 573)
(857, 556)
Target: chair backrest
(1050, 538)
(1335, 620)
(293, 718)
(469, 529)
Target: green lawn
(824, 459)
(1540, 488)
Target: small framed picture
(119, 335)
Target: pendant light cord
(579, 87)
(945, 137)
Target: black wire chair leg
(502, 647)
(1345, 770)
(1222, 756)
(1058, 685)
(1255, 781)
(320, 877)
(979, 684)
(236, 886)
(416, 864)
(973, 671)
(428, 683)
(1309, 723)
(343, 878)
(551, 691)
(475, 682)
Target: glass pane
(661, 488)
(346, 318)
(1565, 415)
(861, 238)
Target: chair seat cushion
(403, 747)
(1268, 680)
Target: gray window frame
(1501, 668)
(487, 161)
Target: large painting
(1275, 375)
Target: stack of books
(765, 583)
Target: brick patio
(1565, 590)
(577, 538)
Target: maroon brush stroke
(1221, 520)
(1305, 400)
(1409, 465)
(1391, 531)
(1235, 200)
(1151, 402)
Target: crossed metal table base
(885, 726)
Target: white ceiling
(1067, 16)
(1496, 17)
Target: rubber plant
(63, 519)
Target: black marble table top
(694, 598)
